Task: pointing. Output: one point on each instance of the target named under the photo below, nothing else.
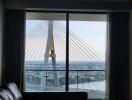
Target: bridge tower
(50, 53)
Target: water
(80, 78)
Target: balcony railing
(91, 81)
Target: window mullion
(67, 52)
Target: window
(44, 62)
(87, 38)
(45, 53)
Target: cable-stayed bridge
(79, 49)
(46, 49)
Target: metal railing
(75, 77)
(42, 80)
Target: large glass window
(45, 53)
(87, 41)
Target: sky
(92, 32)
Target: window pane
(87, 41)
(45, 52)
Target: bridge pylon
(50, 53)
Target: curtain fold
(13, 46)
(119, 56)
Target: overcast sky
(92, 32)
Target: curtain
(13, 46)
(119, 56)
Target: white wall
(1, 30)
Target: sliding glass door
(65, 52)
(45, 52)
(87, 46)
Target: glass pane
(45, 52)
(87, 41)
